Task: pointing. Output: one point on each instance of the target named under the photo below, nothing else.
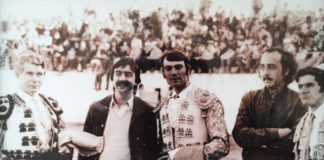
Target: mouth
(267, 80)
(304, 97)
(175, 79)
(123, 85)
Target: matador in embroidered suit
(29, 121)
(190, 120)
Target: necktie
(310, 121)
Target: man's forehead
(172, 63)
(307, 79)
(32, 66)
(271, 57)
(124, 68)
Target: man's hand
(283, 132)
(194, 153)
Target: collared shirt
(122, 109)
(175, 103)
(116, 140)
(41, 116)
(319, 114)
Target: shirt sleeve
(98, 148)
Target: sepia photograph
(161, 80)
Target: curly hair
(288, 64)
(28, 57)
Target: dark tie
(175, 96)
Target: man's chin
(123, 90)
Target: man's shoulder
(204, 98)
(102, 103)
(52, 103)
(6, 106)
(144, 105)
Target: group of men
(187, 124)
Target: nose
(122, 76)
(303, 89)
(173, 71)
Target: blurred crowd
(215, 43)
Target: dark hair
(316, 72)
(288, 64)
(176, 56)
(123, 62)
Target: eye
(309, 85)
(261, 67)
(168, 68)
(128, 74)
(39, 74)
(272, 67)
(117, 73)
(29, 73)
(300, 86)
(178, 67)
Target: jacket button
(137, 138)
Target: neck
(180, 89)
(32, 94)
(123, 97)
(275, 89)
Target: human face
(31, 78)
(124, 79)
(271, 70)
(309, 90)
(176, 75)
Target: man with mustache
(123, 124)
(30, 121)
(190, 120)
(309, 135)
(267, 117)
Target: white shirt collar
(129, 102)
(26, 97)
(319, 111)
(184, 92)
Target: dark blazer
(258, 120)
(142, 129)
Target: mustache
(124, 83)
(266, 77)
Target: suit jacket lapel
(137, 110)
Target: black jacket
(258, 120)
(142, 129)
